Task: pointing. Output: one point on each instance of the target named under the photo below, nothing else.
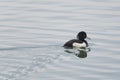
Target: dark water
(32, 33)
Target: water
(32, 33)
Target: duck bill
(88, 38)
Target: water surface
(32, 34)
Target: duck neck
(82, 39)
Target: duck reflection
(81, 52)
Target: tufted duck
(79, 42)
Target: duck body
(77, 43)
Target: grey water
(32, 33)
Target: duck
(80, 42)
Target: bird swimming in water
(80, 42)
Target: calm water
(32, 33)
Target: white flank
(79, 44)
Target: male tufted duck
(79, 42)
